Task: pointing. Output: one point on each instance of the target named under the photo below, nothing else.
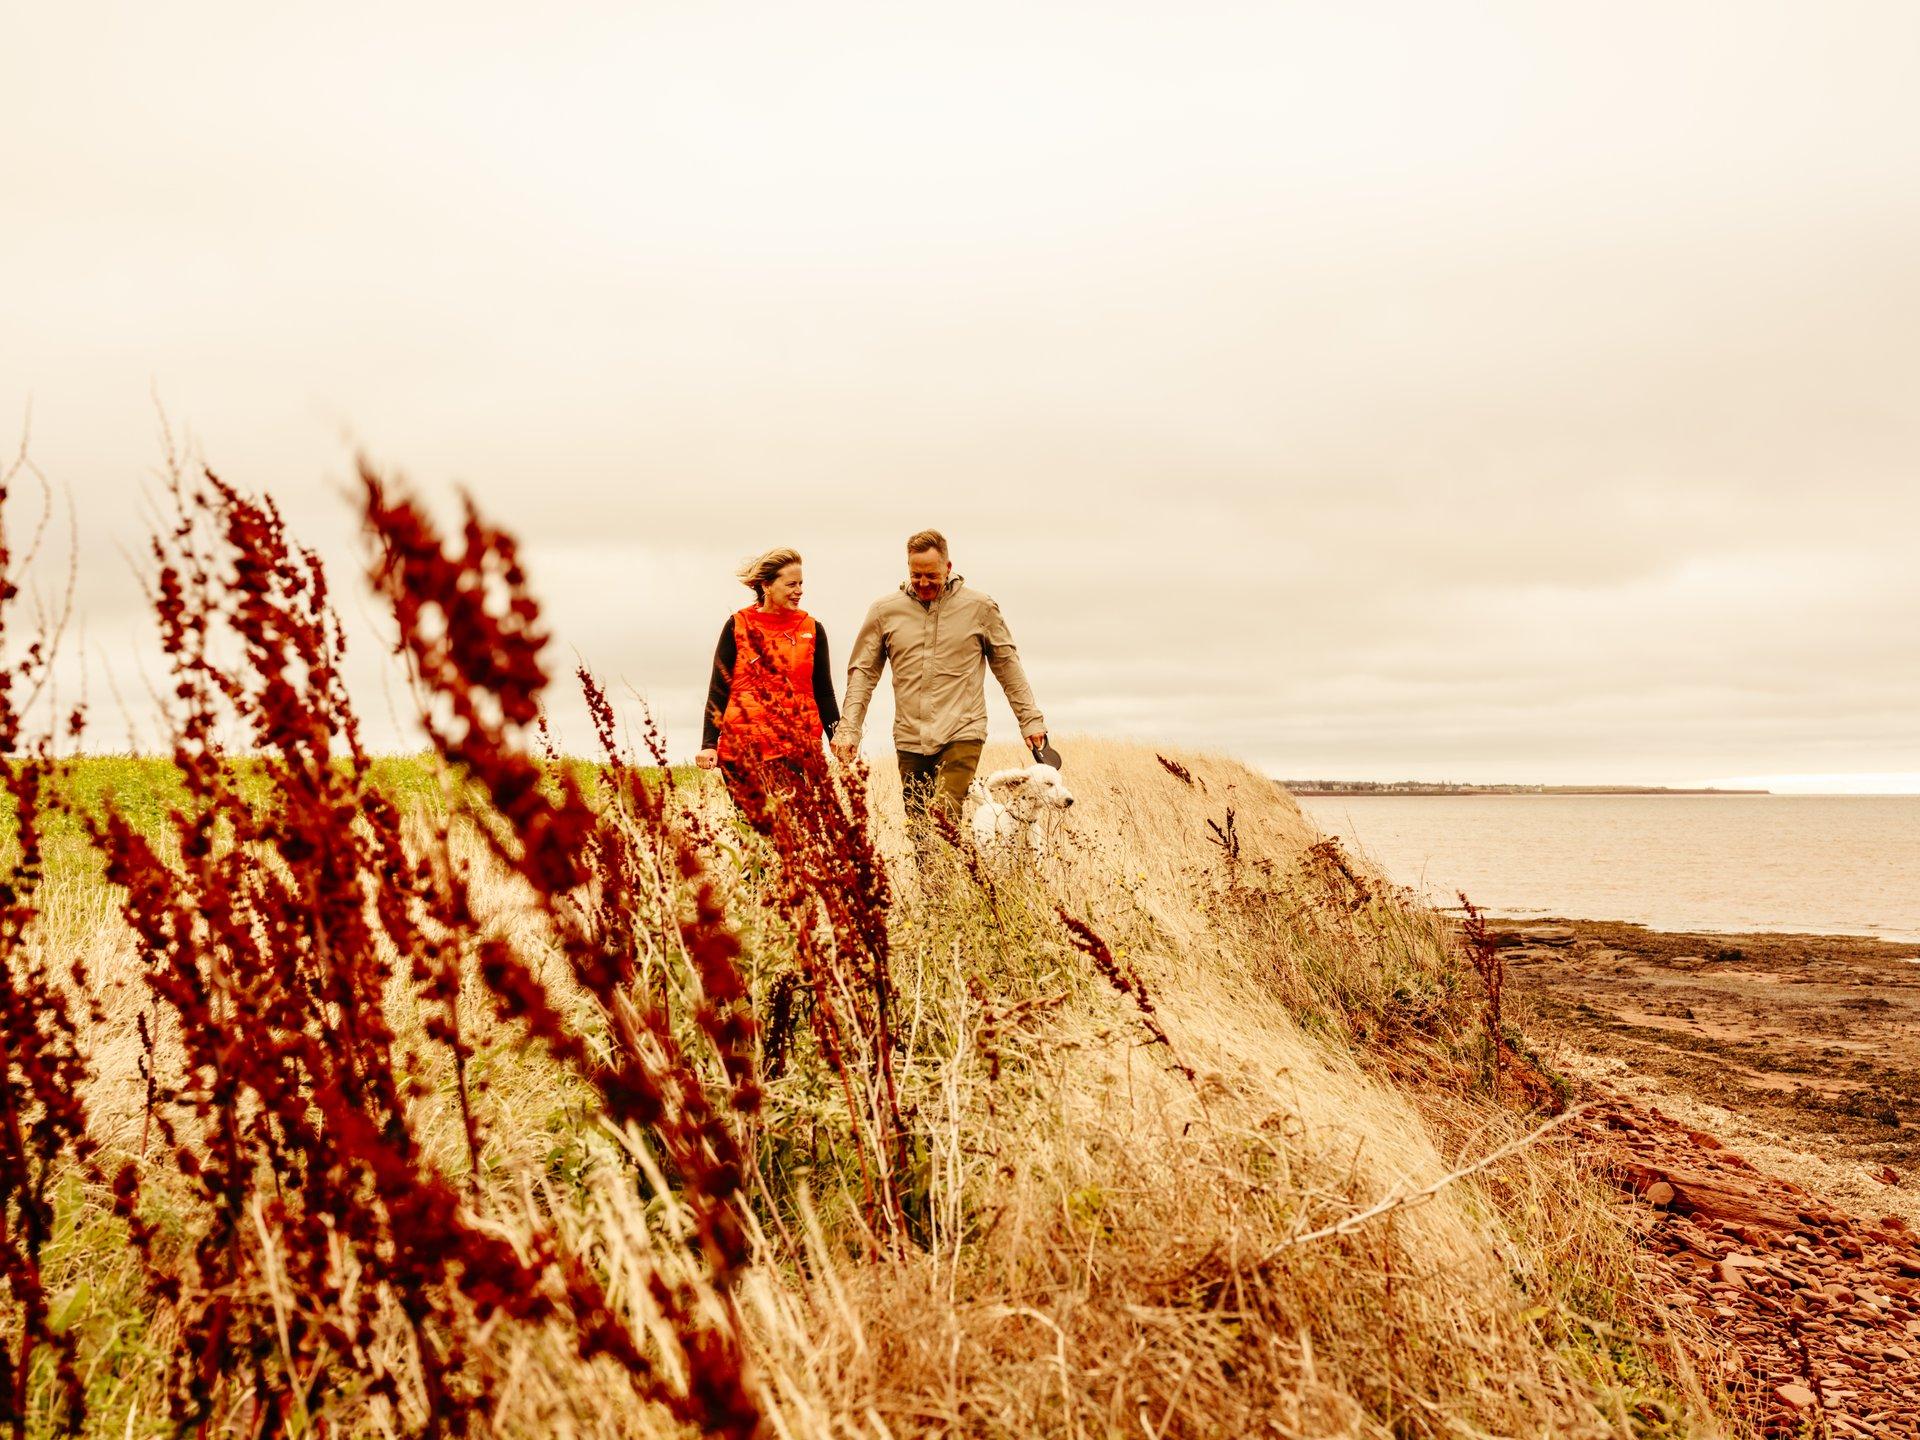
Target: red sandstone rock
(1729, 1239)
(1706, 1197)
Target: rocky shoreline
(1806, 1317)
(1756, 1100)
(1812, 1039)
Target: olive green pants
(938, 781)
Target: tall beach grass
(486, 1093)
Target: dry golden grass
(1106, 1245)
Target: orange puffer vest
(770, 706)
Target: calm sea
(1832, 865)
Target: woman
(771, 697)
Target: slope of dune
(1234, 1158)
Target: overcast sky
(1471, 391)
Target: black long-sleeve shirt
(720, 687)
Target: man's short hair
(927, 540)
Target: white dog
(1016, 802)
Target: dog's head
(1030, 790)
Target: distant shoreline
(1410, 787)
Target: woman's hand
(708, 759)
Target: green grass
(148, 789)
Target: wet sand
(1813, 1040)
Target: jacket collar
(954, 582)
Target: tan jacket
(940, 653)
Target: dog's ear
(1007, 780)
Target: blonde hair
(927, 540)
(757, 572)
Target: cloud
(1367, 390)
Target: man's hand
(708, 759)
(844, 752)
(1037, 743)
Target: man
(941, 636)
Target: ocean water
(1830, 865)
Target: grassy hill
(1198, 1131)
